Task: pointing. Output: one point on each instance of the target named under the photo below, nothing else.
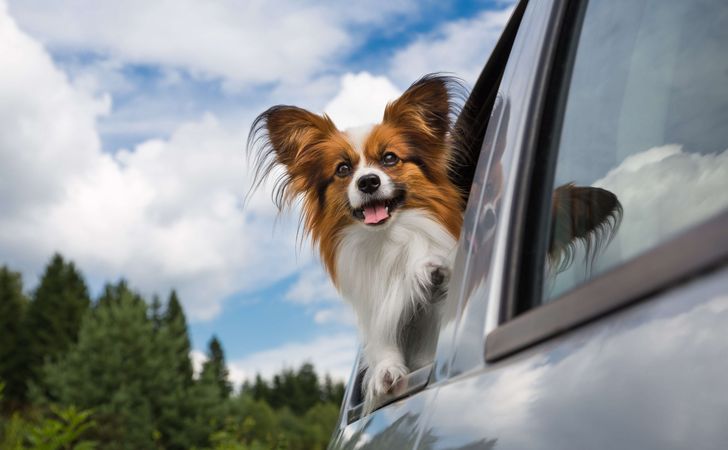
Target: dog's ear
(290, 131)
(286, 136)
(425, 107)
(585, 214)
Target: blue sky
(123, 147)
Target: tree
(174, 326)
(14, 369)
(308, 389)
(260, 389)
(54, 316)
(156, 312)
(216, 368)
(111, 370)
(332, 392)
(170, 397)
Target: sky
(122, 146)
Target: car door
(625, 345)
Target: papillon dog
(379, 205)
(384, 206)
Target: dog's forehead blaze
(383, 137)
(333, 151)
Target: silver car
(561, 331)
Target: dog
(380, 207)
(384, 206)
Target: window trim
(697, 250)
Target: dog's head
(364, 176)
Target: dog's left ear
(288, 137)
(424, 108)
(584, 214)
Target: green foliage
(253, 424)
(14, 363)
(54, 316)
(111, 369)
(129, 363)
(171, 402)
(216, 368)
(298, 390)
(173, 327)
(60, 429)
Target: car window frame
(700, 249)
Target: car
(623, 342)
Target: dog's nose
(368, 184)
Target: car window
(641, 111)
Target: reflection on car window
(644, 131)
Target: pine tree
(13, 358)
(111, 370)
(170, 398)
(215, 366)
(208, 409)
(210, 394)
(260, 390)
(54, 316)
(174, 323)
(332, 392)
(308, 389)
(156, 312)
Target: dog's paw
(384, 378)
(435, 276)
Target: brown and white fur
(378, 204)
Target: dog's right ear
(285, 135)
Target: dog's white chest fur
(386, 275)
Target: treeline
(115, 373)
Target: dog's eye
(389, 159)
(343, 170)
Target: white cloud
(256, 41)
(342, 315)
(361, 100)
(312, 286)
(165, 214)
(461, 47)
(198, 358)
(314, 290)
(46, 124)
(332, 354)
(169, 214)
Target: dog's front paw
(434, 276)
(384, 378)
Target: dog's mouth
(377, 212)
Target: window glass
(643, 133)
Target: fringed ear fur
(589, 215)
(428, 107)
(285, 136)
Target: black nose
(368, 183)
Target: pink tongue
(375, 214)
